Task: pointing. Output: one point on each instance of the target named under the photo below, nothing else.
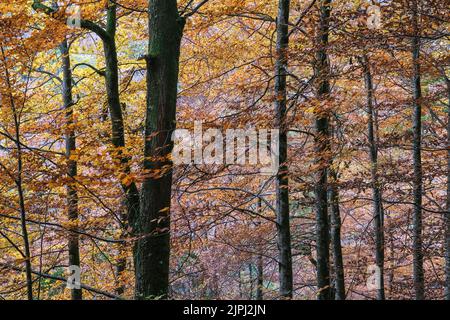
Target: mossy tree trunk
(152, 226)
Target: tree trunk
(18, 182)
(336, 237)
(117, 128)
(418, 273)
(70, 139)
(259, 259)
(121, 263)
(376, 192)
(282, 180)
(260, 278)
(115, 110)
(250, 276)
(322, 149)
(447, 214)
(152, 250)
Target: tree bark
(418, 273)
(259, 259)
(322, 149)
(447, 214)
(378, 220)
(70, 140)
(132, 201)
(259, 278)
(115, 110)
(282, 179)
(152, 250)
(336, 237)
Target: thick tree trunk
(152, 250)
(70, 139)
(418, 273)
(322, 149)
(282, 181)
(336, 238)
(376, 192)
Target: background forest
(92, 90)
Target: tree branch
(49, 276)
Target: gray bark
(376, 192)
(282, 179)
(70, 140)
(336, 237)
(260, 278)
(152, 250)
(322, 149)
(418, 273)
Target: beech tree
(283, 216)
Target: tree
(378, 216)
(152, 250)
(283, 217)
(70, 139)
(418, 272)
(322, 73)
(335, 220)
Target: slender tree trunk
(376, 192)
(447, 214)
(282, 179)
(131, 198)
(391, 264)
(336, 237)
(259, 260)
(418, 273)
(115, 110)
(117, 127)
(28, 268)
(152, 250)
(70, 139)
(18, 182)
(322, 149)
(250, 276)
(121, 262)
(260, 278)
